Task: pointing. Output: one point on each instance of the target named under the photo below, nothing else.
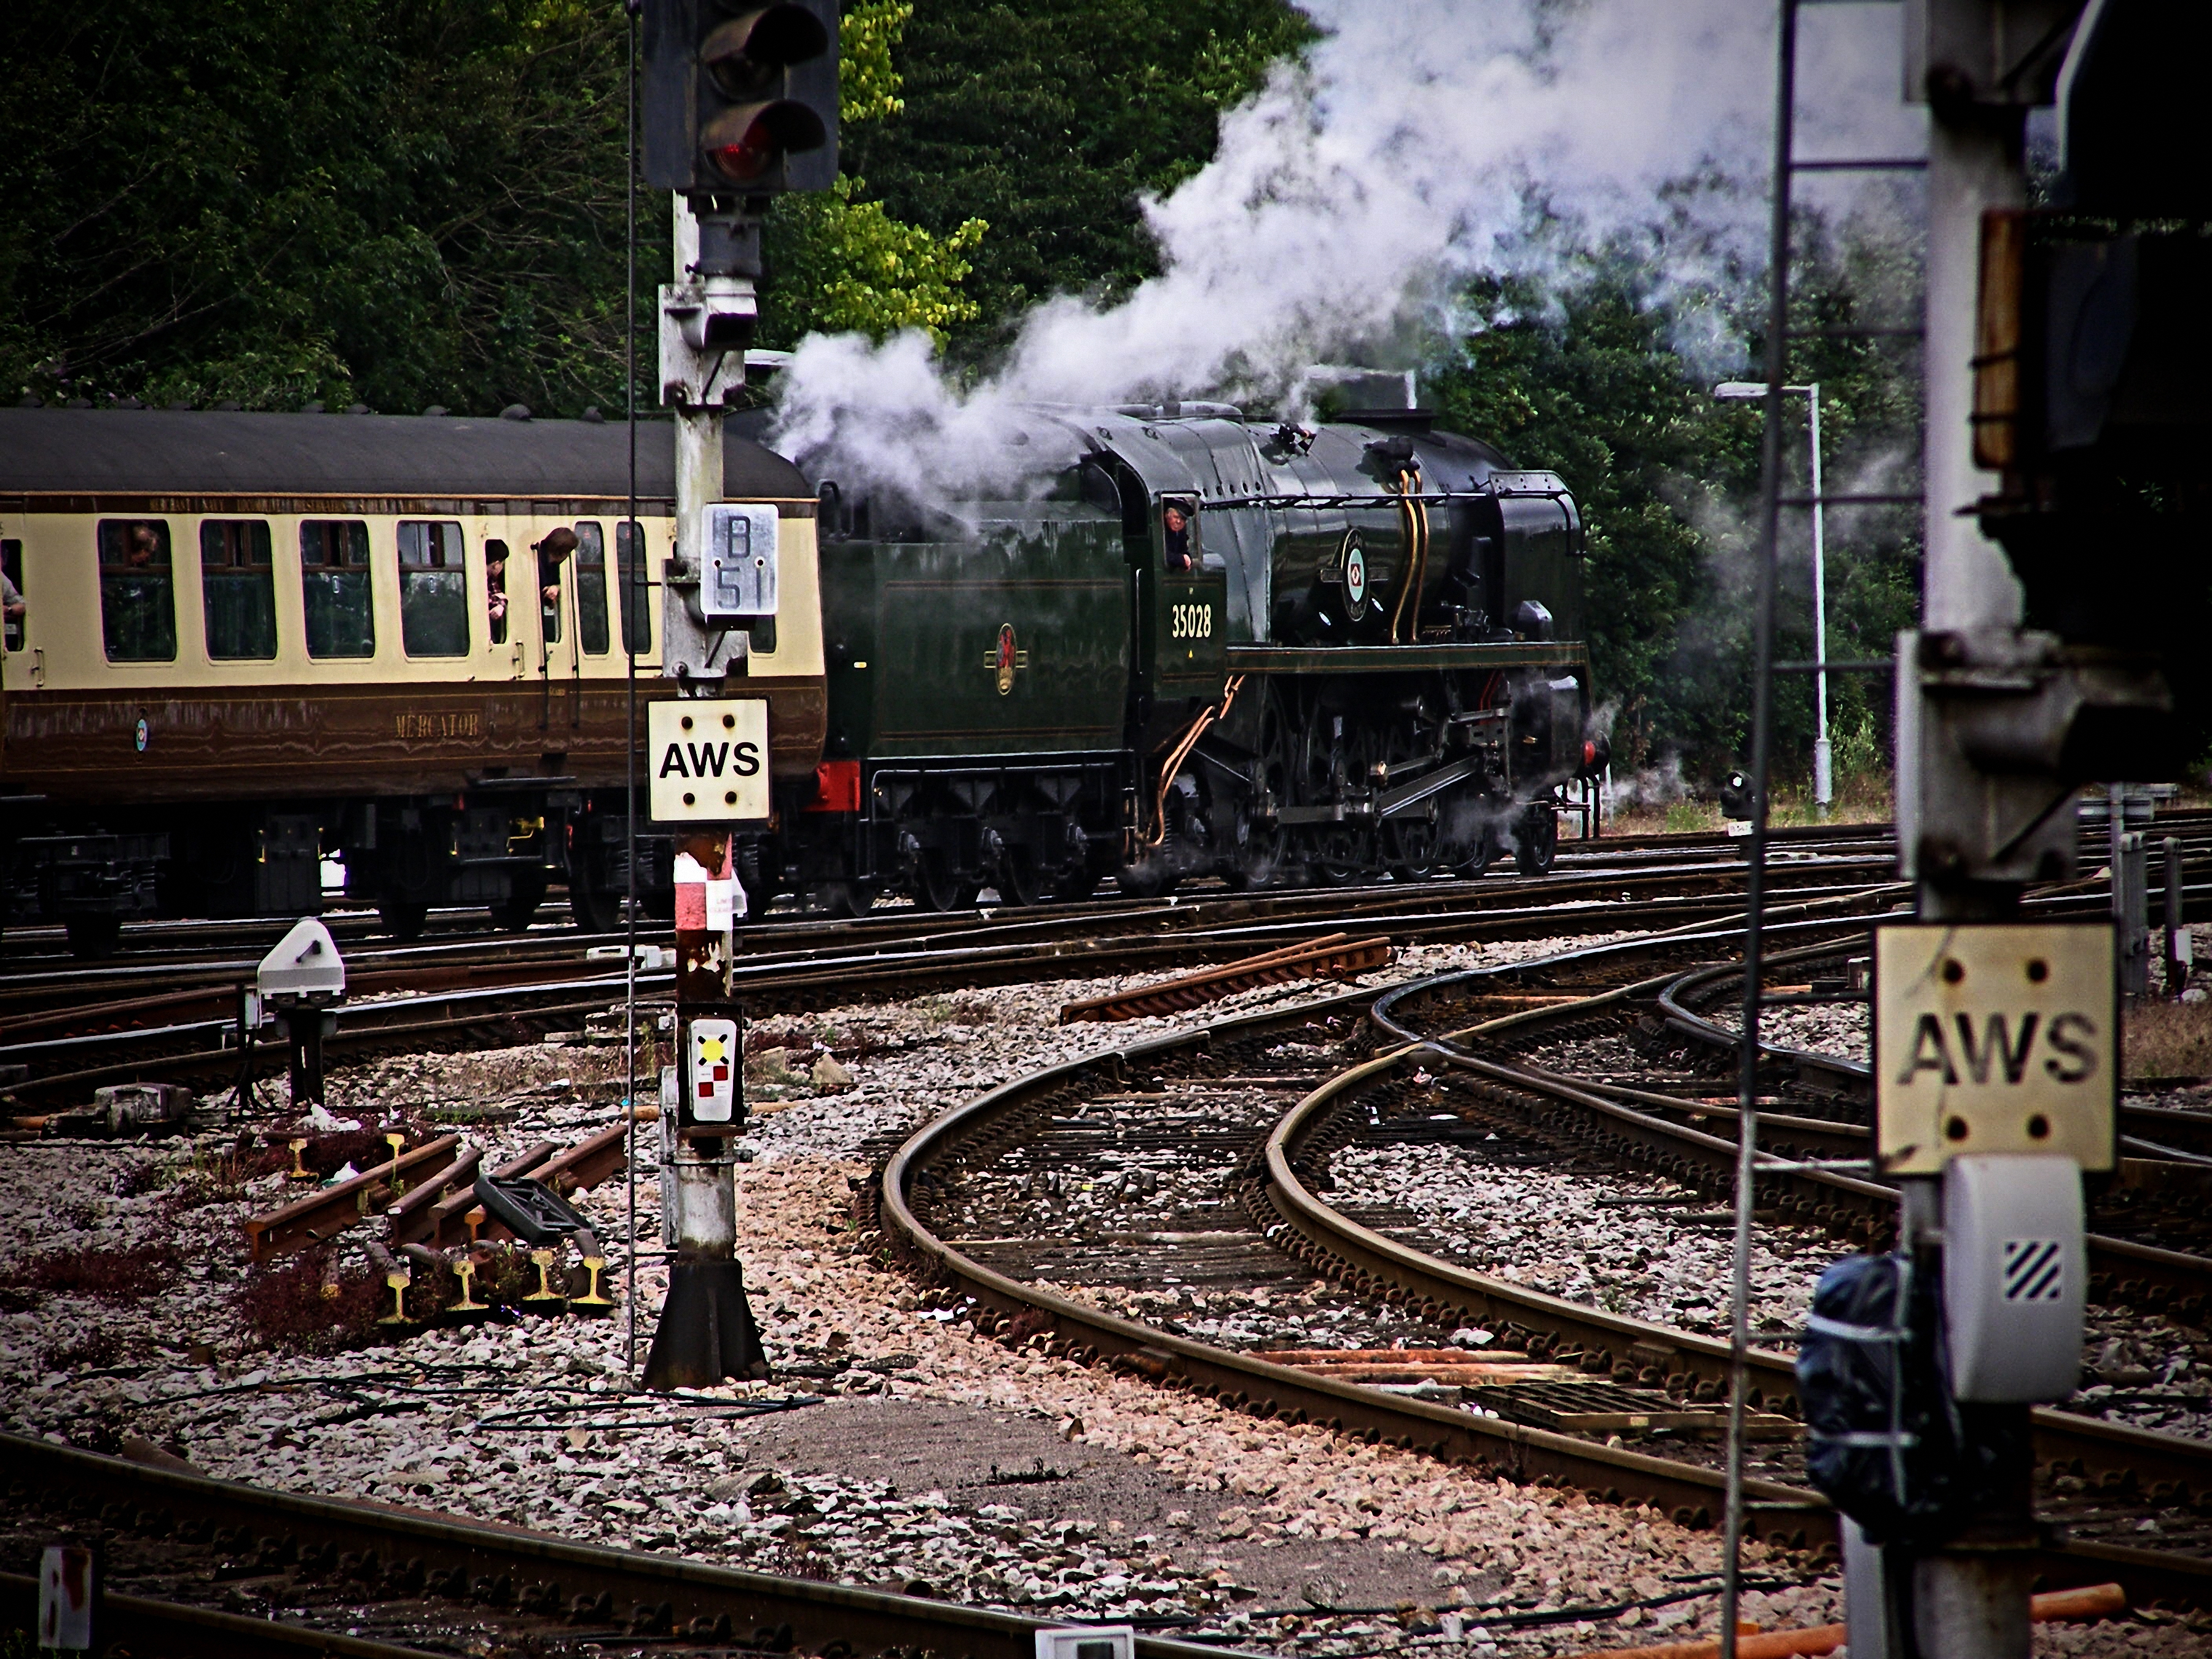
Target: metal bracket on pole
(1996, 727)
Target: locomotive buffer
(740, 103)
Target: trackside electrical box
(2015, 1270)
(1088, 1642)
(738, 567)
(711, 1092)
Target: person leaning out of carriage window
(1176, 521)
(550, 551)
(12, 611)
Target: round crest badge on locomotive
(1006, 658)
(1353, 567)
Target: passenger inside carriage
(496, 589)
(138, 618)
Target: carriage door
(1190, 609)
(551, 566)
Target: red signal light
(747, 159)
(743, 144)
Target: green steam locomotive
(1191, 645)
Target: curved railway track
(1221, 1135)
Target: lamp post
(1823, 770)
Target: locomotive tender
(1189, 645)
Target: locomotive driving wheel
(1336, 754)
(1536, 838)
(596, 910)
(514, 913)
(1261, 842)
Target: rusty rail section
(439, 1205)
(330, 1212)
(1332, 956)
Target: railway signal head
(740, 98)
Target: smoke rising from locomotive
(1421, 142)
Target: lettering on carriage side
(418, 726)
(1190, 621)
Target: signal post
(1997, 1041)
(739, 104)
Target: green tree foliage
(1050, 120)
(844, 265)
(1586, 383)
(394, 201)
(837, 261)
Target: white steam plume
(1419, 142)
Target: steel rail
(819, 1613)
(1609, 1340)
(165, 1052)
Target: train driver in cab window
(1175, 523)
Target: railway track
(179, 942)
(369, 1581)
(454, 995)
(1194, 1161)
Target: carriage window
(238, 589)
(138, 602)
(592, 588)
(433, 590)
(11, 592)
(629, 563)
(334, 583)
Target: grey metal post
(2177, 969)
(1968, 1599)
(1824, 782)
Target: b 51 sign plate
(707, 762)
(1995, 1037)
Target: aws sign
(1995, 1038)
(707, 762)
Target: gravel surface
(896, 1447)
(1570, 1236)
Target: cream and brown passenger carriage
(253, 642)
